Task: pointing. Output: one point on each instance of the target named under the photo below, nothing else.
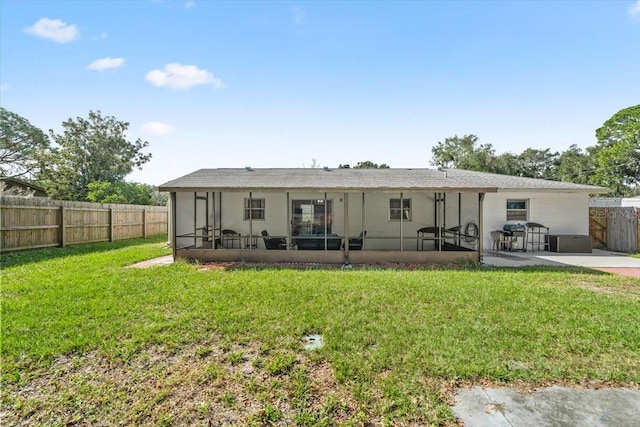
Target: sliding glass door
(311, 217)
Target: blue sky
(277, 84)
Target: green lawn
(87, 341)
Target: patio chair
(229, 238)
(273, 242)
(499, 240)
(355, 243)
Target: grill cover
(513, 227)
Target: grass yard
(86, 341)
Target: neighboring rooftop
(21, 184)
(344, 179)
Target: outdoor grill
(517, 232)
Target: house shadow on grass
(13, 259)
(462, 266)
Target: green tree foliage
(531, 163)
(90, 150)
(159, 198)
(464, 153)
(22, 146)
(367, 164)
(120, 192)
(618, 152)
(575, 165)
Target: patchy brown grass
(626, 286)
(203, 384)
(85, 342)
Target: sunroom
(325, 215)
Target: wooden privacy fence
(29, 223)
(616, 229)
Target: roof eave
(594, 190)
(170, 189)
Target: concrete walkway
(163, 260)
(552, 406)
(612, 262)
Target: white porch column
(172, 221)
(480, 224)
(345, 198)
(288, 216)
(401, 222)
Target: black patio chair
(229, 238)
(355, 243)
(273, 242)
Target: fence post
(637, 212)
(144, 223)
(62, 227)
(111, 228)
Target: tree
(367, 164)
(618, 152)
(534, 163)
(464, 153)
(370, 165)
(575, 165)
(120, 192)
(91, 150)
(22, 146)
(159, 198)
(126, 192)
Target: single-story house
(615, 202)
(12, 184)
(348, 215)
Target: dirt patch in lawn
(629, 288)
(203, 384)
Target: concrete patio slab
(551, 406)
(597, 259)
(163, 260)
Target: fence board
(616, 228)
(623, 232)
(598, 227)
(28, 223)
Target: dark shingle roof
(362, 179)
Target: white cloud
(102, 36)
(299, 15)
(178, 76)
(634, 10)
(106, 63)
(53, 29)
(157, 128)
(189, 4)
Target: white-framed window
(254, 209)
(517, 209)
(400, 208)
